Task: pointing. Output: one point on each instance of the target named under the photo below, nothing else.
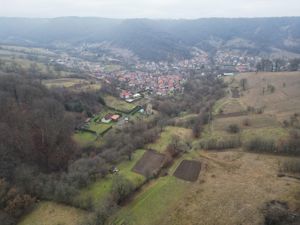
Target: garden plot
(149, 164)
(188, 170)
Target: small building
(228, 74)
(115, 117)
(137, 95)
(125, 94)
(107, 118)
(129, 100)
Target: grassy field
(84, 139)
(228, 105)
(74, 84)
(118, 103)
(156, 198)
(25, 50)
(233, 190)
(283, 102)
(259, 126)
(50, 213)
(99, 127)
(111, 68)
(166, 136)
(101, 189)
(151, 204)
(64, 82)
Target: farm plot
(149, 164)
(64, 82)
(188, 170)
(119, 104)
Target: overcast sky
(150, 8)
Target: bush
(214, 144)
(101, 213)
(246, 122)
(290, 166)
(259, 144)
(233, 128)
(121, 188)
(64, 193)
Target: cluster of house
(235, 61)
(141, 81)
(110, 118)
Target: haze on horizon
(157, 9)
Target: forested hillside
(157, 39)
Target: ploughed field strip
(150, 163)
(188, 170)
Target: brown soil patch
(188, 170)
(150, 163)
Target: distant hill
(157, 39)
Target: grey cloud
(150, 8)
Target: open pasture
(64, 82)
(283, 101)
(250, 121)
(50, 213)
(229, 106)
(165, 138)
(236, 186)
(118, 104)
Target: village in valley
(136, 82)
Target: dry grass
(233, 190)
(64, 82)
(228, 105)
(166, 137)
(50, 213)
(285, 100)
(255, 121)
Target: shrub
(259, 144)
(101, 214)
(233, 128)
(64, 193)
(246, 122)
(121, 188)
(290, 146)
(214, 144)
(290, 166)
(271, 88)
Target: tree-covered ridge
(157, 39)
